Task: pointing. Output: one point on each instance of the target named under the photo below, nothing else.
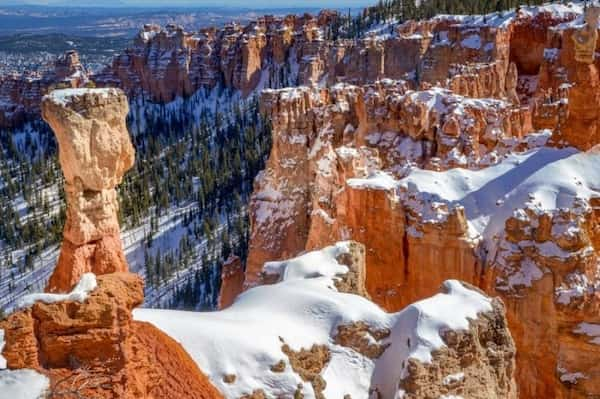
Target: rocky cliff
(84, 339)
(20, 95)
(454, 181)
(470, 53)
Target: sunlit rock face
(457, 180)
(95, 151)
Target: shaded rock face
(20, 95)
(95, 349)
(94, 152)
(528, 39)
(232, 281)
(567, 94)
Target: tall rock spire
(95, 151)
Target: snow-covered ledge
(84, 287)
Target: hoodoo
(86, 343)
(581, 129)
(95, 152)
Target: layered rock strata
(94, 152)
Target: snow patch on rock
(591, 330)
(66, 96)
(80, 293)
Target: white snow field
(303, 309)
(22, 384)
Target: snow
(2, 359)
(66, 96)
(555, 178)
(378, 181)
(303, 309)
(80, 293)
(570, 377)
(453, 378)
(523, 276)
(22, 384)
(591, 330)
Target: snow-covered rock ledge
(262, 343)
(80, 292)
(65, 97)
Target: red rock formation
(169, 63)
(323, 138)
(314, 191)
(20, 95)
(546, 268)
(296, 50)
(95, 349)
(577, 59)
(86, 342)
(528, 38)
(232, 281)
(95, 151)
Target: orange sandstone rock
(95, 349)
(95, 152)
(232, 281)
(314, 191)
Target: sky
(196, 3)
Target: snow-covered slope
(22, 384)
(547, 178)
(246, 342)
